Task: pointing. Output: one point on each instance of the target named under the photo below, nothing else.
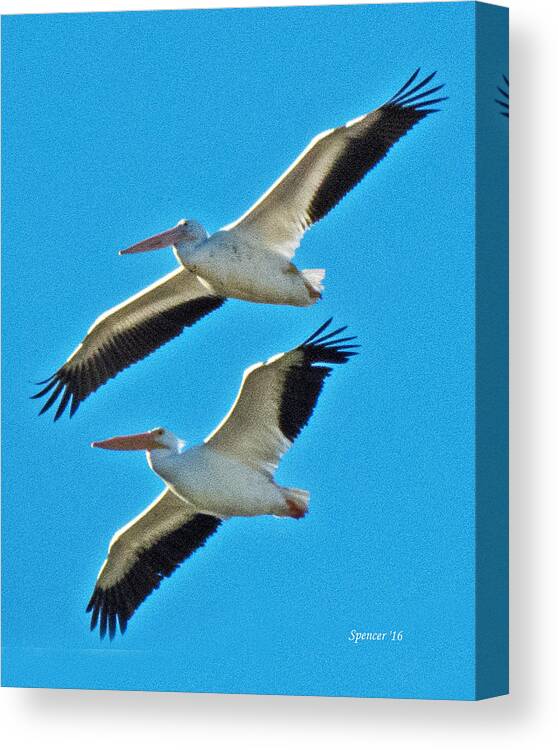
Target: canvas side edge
(491, 380)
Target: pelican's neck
(165, 461)
(184, 249)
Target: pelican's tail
(313, 278)
(296, 500)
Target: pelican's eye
(159, 432)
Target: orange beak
(143, 441)
(158, 241)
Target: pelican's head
(158, 439)
(182, 237)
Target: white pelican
(230, 474)
(250, 259)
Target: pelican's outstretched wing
(277, 398)
(332, 164)
(141, 554)
(127, 333)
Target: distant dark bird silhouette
(505, 102)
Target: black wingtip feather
(423, 94)
(416, 97)
(329, 335)
(405, 85)
(428, 102)
(74, 405)
(406, 94)
(94, 620)
(46, 380)
(103, 622)
(53, 396)
(51, 383)
(112, 625)
(317, 333)
(317, 344)
(63, 403)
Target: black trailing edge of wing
(118, 603)
(77, 381)
(386, 125)
(304, 381)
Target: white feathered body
(238, 265)
(214, 483)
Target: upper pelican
(230, 474)
(250, 259)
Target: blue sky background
(117, 125)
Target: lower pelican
(230, 474)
